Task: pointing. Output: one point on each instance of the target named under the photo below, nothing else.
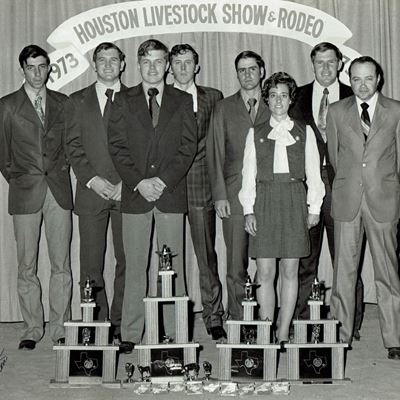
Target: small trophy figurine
(145, 374)
(165, 258)
(86, 336)
(207, 370)
(316, 329)
(87, 291)
(129, 369)
(248, 289)
(191, 371)
(315, 290)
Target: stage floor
(26, 375)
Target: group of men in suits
(145, 156)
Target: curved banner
(83, 32)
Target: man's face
(183, 67)
(35, 72)
(364, 80)
(249, 73)
(152, 67)
(108, 66)
(326, 67)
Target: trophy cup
(248, 289)
(129, 369)
(87, 291)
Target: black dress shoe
(356, 335)
(27, 344)
(61, 341)
(126, 347)
(216, 332)
(394, 353)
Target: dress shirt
(160, 88)
(372, 105)
(318, 92)
(246, 97)
(316, 188)
(192, 89)
(33, 93)
(101, 93)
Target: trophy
(87, 291)
(86, 336)
(207, 370)
(316, 330)
(165, 258)
(316, 291)
(248, 289)
(145, 374)
(191, 371)
(129, 369)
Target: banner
(83, 32)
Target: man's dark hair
(106, 46)
(151, 44)
(32, 51)
(325, 46)
(183, 49)
(378, 68)
(249, 54)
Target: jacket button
(364, 164)
(152, 166)
(46, 173)
(44, 154)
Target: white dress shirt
(101, 93)
(372, 105)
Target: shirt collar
(160, 88)
(101, 87)
(371, 102)
(33, 93)
(245, 96)
(334, 87)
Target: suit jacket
(230, 124)
(139, 151)
(198, 181)
(302, 110)
(32, 157)
(369, 167)
(87, 146)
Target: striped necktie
(323, 111)
(39, 108)
(154, 107)
(365, 120)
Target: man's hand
(102, 187)
(222, 208)
(116, 194)
(250, 224)
(313, 220)
(151, 189)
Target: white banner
(83, 32)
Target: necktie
(252, 108)
(107, 108)
(365, 120)
(39, 109)
(323, 111)
(154, 107)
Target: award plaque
(247, 363)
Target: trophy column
(86, 358)
(315, 354)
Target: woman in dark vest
(279, 158)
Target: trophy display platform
(86, 358)
(248, 354)
(166, 362)
(315, 355)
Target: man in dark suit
(32, 160)
(98, 188)
(231, 120)
(184, 63)
(152, 141)
(311, 106)
(364, 149)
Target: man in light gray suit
(363, 134)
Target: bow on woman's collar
(280, 132)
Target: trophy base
(81, 383)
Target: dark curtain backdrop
(374, 24)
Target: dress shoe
(356, 335)
(27, 344)
(394, 353)
(61, 341)
(126, 347)
(216, 332)
(116, 340)
(282, 344)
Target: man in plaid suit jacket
(201, 214)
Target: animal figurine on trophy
(145, 374)
(165, 256)
(317, 288)
(248, 289)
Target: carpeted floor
(26, 375)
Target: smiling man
(231, 120)
(98, 188)
(33, 162)
(364, 149)
(152, 141)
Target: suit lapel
(354, 123)
(201, 104)
(53, 108)
(25, 109)
(168, 108)
(378, 119)
(140, 107)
